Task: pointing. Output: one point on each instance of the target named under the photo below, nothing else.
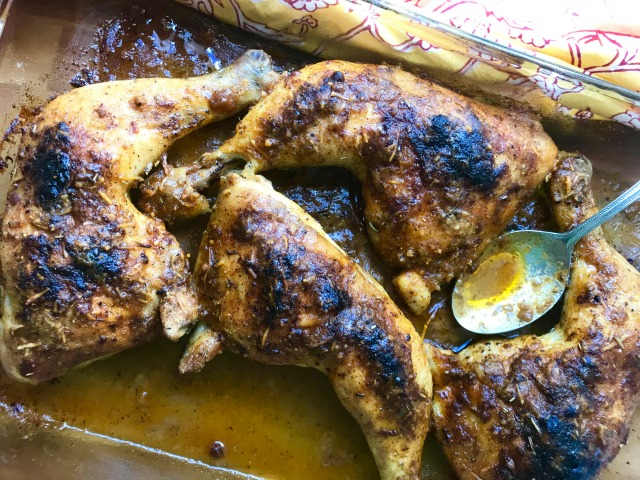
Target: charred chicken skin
(555, 406)
(275, 288)
(85, 273)
(441, 174)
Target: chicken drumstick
(85, 273)
(275, 288)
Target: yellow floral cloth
(587, 37)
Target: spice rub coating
(85, 273)
(280, 291)
(555, 406)
(441, 174)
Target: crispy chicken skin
(441, 174)
(86, 274)
(556, 406)
(280, 291)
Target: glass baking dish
(44, 44)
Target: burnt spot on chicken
(462, 153)
(101, 263)
(278, 273)
(558, 454)
(138, 102)
(446, 151)
(356, 328)
(588, 296)
(51, 166)
(330, 298)
(554, 447)
(85, 269)
(59, 282)
(533, 417)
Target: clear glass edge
(594, 83)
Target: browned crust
(73, 279)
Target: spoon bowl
(517, 280)
(522, 274)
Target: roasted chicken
(555, 406)
(441, 174)
(85, 273)
(275, 288)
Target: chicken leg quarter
(441, 174)
(85, 273)
(276, 288)
(556, 406)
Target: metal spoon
(522, 274)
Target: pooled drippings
(494, 279)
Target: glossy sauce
(278, 421)
(494, 279)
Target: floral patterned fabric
(590, 37)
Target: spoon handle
(627, 198)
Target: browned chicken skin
(556, 406)
(280, 291)
(441, 174)
(86, 274)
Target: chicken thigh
(275, 288)
(555, 406)
(85, 273)
(441, 174)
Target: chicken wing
(278, 290)
(556, 406)
(85, 273)
(441, 174)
